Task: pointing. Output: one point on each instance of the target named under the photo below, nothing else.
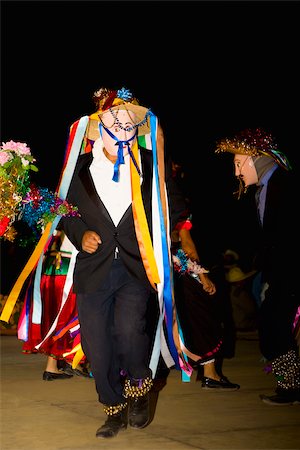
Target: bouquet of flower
(184, 265)
(16, 162)
(42, 206)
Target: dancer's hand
(90, 241)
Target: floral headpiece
(253, 143)
(113, 100)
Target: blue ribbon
(120, 159)
(167, 289)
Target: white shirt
(116, 196)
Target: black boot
(113, 424)
(137, 391)
(139, 414)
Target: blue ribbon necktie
(120, 159)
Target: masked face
(245, 169)
(118, 129)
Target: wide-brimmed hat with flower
(253, 142)
(109, 100)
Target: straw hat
(236, 274)
(108, 100)
(253, 142)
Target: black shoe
(50, 376)
(223, 385)
(112, 426)
(139, 414)
(78, 372)
(282, 398)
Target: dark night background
(207, 69)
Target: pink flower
(18, 147)
(4, 157)
(25, 162)
(23, 149)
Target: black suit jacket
(280, 230)
(91, 269)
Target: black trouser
(113, 337)
(276, 316)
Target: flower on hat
(124, 94)
(16, 162)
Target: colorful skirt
(65, 335)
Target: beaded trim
(118, 123)
(142, 389)
(286, 369)
(112, 410)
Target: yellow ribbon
(31, 263)
(141, 224)
(78, 355)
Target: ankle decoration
(286, 369)
(137, 388)
(112, 410)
